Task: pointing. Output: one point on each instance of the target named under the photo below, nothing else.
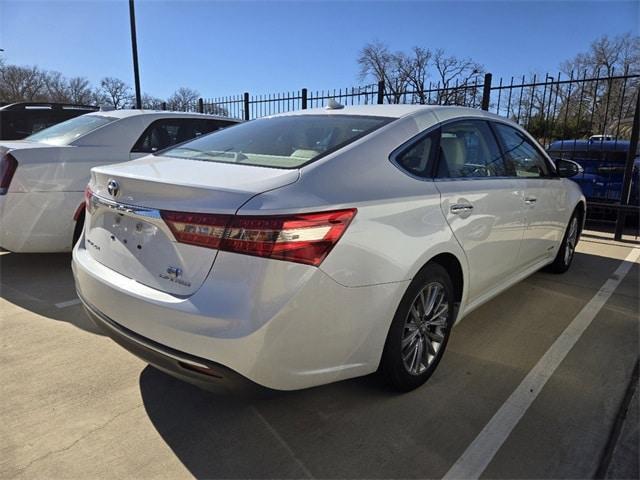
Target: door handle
(530, 200)
(458, 208)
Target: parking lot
(74, 404)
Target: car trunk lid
(125, 230)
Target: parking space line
(282, 442)
(484, 447)
(68, 303)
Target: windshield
(279, 142)
(66, 132)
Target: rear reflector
(303, 238)
(8, 166)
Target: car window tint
(416, 158)
(468, 149)
(167, 132)
(524, 158)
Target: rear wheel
(420, 329)
(567, 250)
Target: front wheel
(567, 249)
(420, 329)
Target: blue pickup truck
(603, 161)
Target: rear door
(481, 203)
(544, 201)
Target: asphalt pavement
(75, 405)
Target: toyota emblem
(113, 188)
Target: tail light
(8, 166)
(303, 238)
(87, 199)
(202, 229)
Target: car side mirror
(568, 168)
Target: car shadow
(243, 434)
(43, 283)
(359, 428)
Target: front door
(544, 198)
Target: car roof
(395, 111)
(22, 106)
(126, 113)
(592, 145)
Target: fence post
(246, 105)
(628, 171)
(304, 99)
(380, 92)
(200, 105)
(163, 106)
(486, 91)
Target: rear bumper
(281, 325)
(189, 368)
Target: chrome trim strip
(133, 210)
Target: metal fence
(570, 107)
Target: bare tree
(184, 99)
(406, 74)
(215, 109)
(417, 66)
(377, 61)
(21, 84)
(149, 102)
(456, 75)
(56, 87)
(605, 102)
(115, 92)
(79, 91)
(607, 55)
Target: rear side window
(523, 156)
(468, 150)
(418, 158)
(164, 133)
(289, 141)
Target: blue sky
(223, 48)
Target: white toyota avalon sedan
(42, 177)
(321, 245)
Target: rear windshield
(66, 132)
(279, 142)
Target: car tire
(77, 231)
(420, 330)
(567, 249)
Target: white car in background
(320, 245)
(42, 178)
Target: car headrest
(455, 152)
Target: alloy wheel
(425, 328)
(572, 240)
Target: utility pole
(134, 47)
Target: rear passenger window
(164, 133)
(468, 149)
(524, 158)
(416, 160)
